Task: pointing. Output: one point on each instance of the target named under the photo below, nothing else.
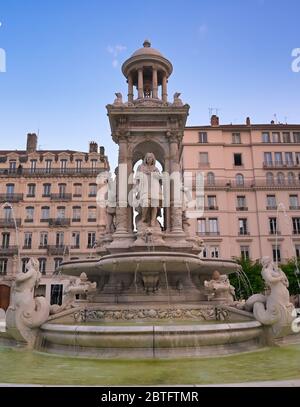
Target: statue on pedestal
(219, 288)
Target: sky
(64, 57)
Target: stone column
(121, 210)
(130, 89)
(164, 89)
(140, 84)
(175, 194)
(154, 83)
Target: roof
(245, 127)
(24, 152)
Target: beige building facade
(48, 210)
(252, 188)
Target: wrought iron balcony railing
(8, 251)
(9, 223)
(61, 197)
(58, 222)
(11, 198)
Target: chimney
(214, 121)
(31, 142)
(93, 147)
(248, 121)
(102, 151)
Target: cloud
(115, 51)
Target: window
(268, 159)
(94, 164)
(278, 159)
(291, 178)
(91, 240)
(76, 240)
(214, 252)
(271, 202)
(296, 136)
(77, 190)
(241, 202)
(243, 227)
(245, 252)
(273, 226)
(298, 158)
(286, 137)
(10, 189)
(62, 190)
(275, 137)
(203, 159)
(213, 226)
(8, 214)
(63, 165)
(201, 226)
(236, 138)
(296, 226)
(43, 239)
(270, 178)
(3, 267)
(92, 214)
(60, 239)
(297, 250)
(211, 178)
(46, 190)
(212, 202)
(43, 263)
(27, 240)
(78, 165)
(276, 250)
(5, 240)
(24, 264)
(280, 178)
(266, 137)
(33, 166)
(294, 202)
(92, 190)
(238, 161)
(202, 137)
(56, 294)
(48, 166)
(45, 213)
(61, 212)
(76, 214)
(31, 190)
(239, 179)
(289, 160)
(12, 166)
(29, 214)
(57, 262)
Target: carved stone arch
(141, 149)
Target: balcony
(9, 223)
(57, 222)
(209, 234)
(272, 208)
(9, 251)
(61, 197)
(57, 250)
(211, 208)
(11, 198)
(280, 164)
(296, 232)
(244, 233)
(294, 208)
(242, 208)
(274, 233)
(43, 172)
(76, 220)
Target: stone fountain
(156, 295)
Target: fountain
(156, 296)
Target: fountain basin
(150, 341)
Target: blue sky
(61, 71)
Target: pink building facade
(252, 188)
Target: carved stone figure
(219, 288)
(273, 309)
(177, 100)
(149, 191)
(119, 99)
(26, 313)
